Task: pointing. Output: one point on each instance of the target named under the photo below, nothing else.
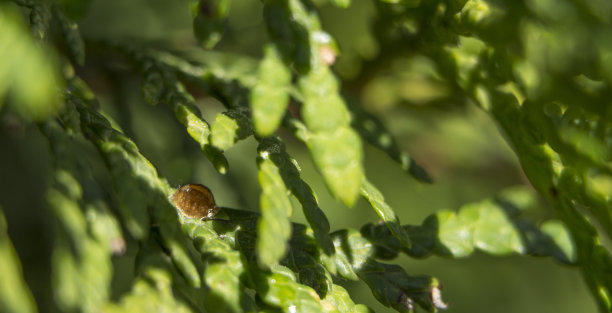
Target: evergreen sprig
(550, 101)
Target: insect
(195, 201)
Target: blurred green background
(458, 144)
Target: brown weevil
(195, 201)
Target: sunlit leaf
(22, 62)
(15, 296)
(273, 228)
(562, 239)
(270, 97)
(385, 212)
(338, 156)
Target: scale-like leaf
(493, 231)
(372, 129)
(161, 85)
(23, 61)
(156, 288)
(82, 276)
(455, 234)
(270, 96)
(229, 127)
(280, 289)
(133, 172)
(15, 296)
(224, 129)
(289, 171)
(341, 300)
(297, 33)
(560, 236)
(385, 212)
(342, 3)
(223, 268)
(274, 228)
(209, 19)
(338, 156)
(492, 226)
(200, 131)
(323, 109)
(389, 283)
(72, 37)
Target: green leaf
(289, 171)
(386, 245)
(23, 61)
(72, 37)
(303, 259)
(224, 132)
(224, 286)
(230, 127)
(280, 290)
(154, 290)
(72, 171)
(372, 129)
(352, 252)
(340, 299)
(519, 198)
(342, 3)
(494, 232)
(482, 225)
(394, 288)
(296, 30)
(122, 157)
(224, 267)
(270, 97)
(223, 277)
(422, 238)
(159, 84)
(81, 276)
(338, 156)
(274, 228)
(323, 109)
(40, 19)
(152, 86)
(353, 260)
(139, 187)
(188, 115)
(209, 19)
(455, 233)
(385, 212)
(288, 25)
(15, 296)
(559, 234)
(172, 238)
(389, 283)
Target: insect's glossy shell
(195, 201)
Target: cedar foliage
(542, 71)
